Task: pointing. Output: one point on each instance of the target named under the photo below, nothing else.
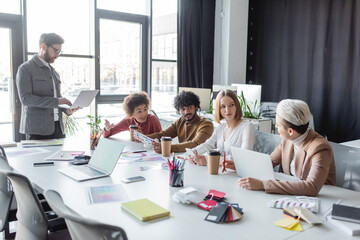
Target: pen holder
(176, 178)
(94, 142)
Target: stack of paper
(350, 228)
(8, 144)
(144, 209)
(64, 155)
(225, 212)
(346, 218)
(42, 143)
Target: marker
(140, 151)
(36, 164)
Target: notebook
(84, 99)
(252, 164)
(144, 209)
(350, 228)
(346, 213)
(101, 164)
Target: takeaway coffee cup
(213, 161)
(166, 146)
(132, 128)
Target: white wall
(230, 46)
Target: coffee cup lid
(214, 152)
(133, 126)
(166, 139)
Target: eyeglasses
(57, 51)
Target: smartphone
(38, 164)
(133, 179)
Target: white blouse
(243, 136)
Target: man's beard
(47, 57)
(188, 120)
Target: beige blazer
(314, 165)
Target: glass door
(6, 86)
(122, 59)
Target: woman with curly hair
(136, 107)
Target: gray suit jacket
(36, 92)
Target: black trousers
(57, 134)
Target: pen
(140, 151)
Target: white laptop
(252, 164)
(84, 99)
(101, 164)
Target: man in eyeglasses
(38, 86)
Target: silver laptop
(84, 99)
(252, 164)
(101, 164)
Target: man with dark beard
(190, 128)
(38, 86)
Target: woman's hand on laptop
(251, 183)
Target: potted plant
(95, 130)
(71, 124)
(247, 112)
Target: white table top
(187, 221)
(354, 143)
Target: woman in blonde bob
(234, 131)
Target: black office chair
(33, 222)
(8, 207)
(79, 227)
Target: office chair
(33, 221)
(7, 211)
(347, 165)
(79, 227)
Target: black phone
(38, 164)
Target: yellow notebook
(144, 209)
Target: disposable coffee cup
(166, 146)
(213, 161)
(132, 128)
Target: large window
(164, 54)
(5, 86)
(120, 57)
(12, 6)
(106, 47)
(141, 7)
(68, 18)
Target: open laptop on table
(101, 164)
(252, 164)
(84, 99)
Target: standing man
(190, 128)
(38, 86)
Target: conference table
(187, 220)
